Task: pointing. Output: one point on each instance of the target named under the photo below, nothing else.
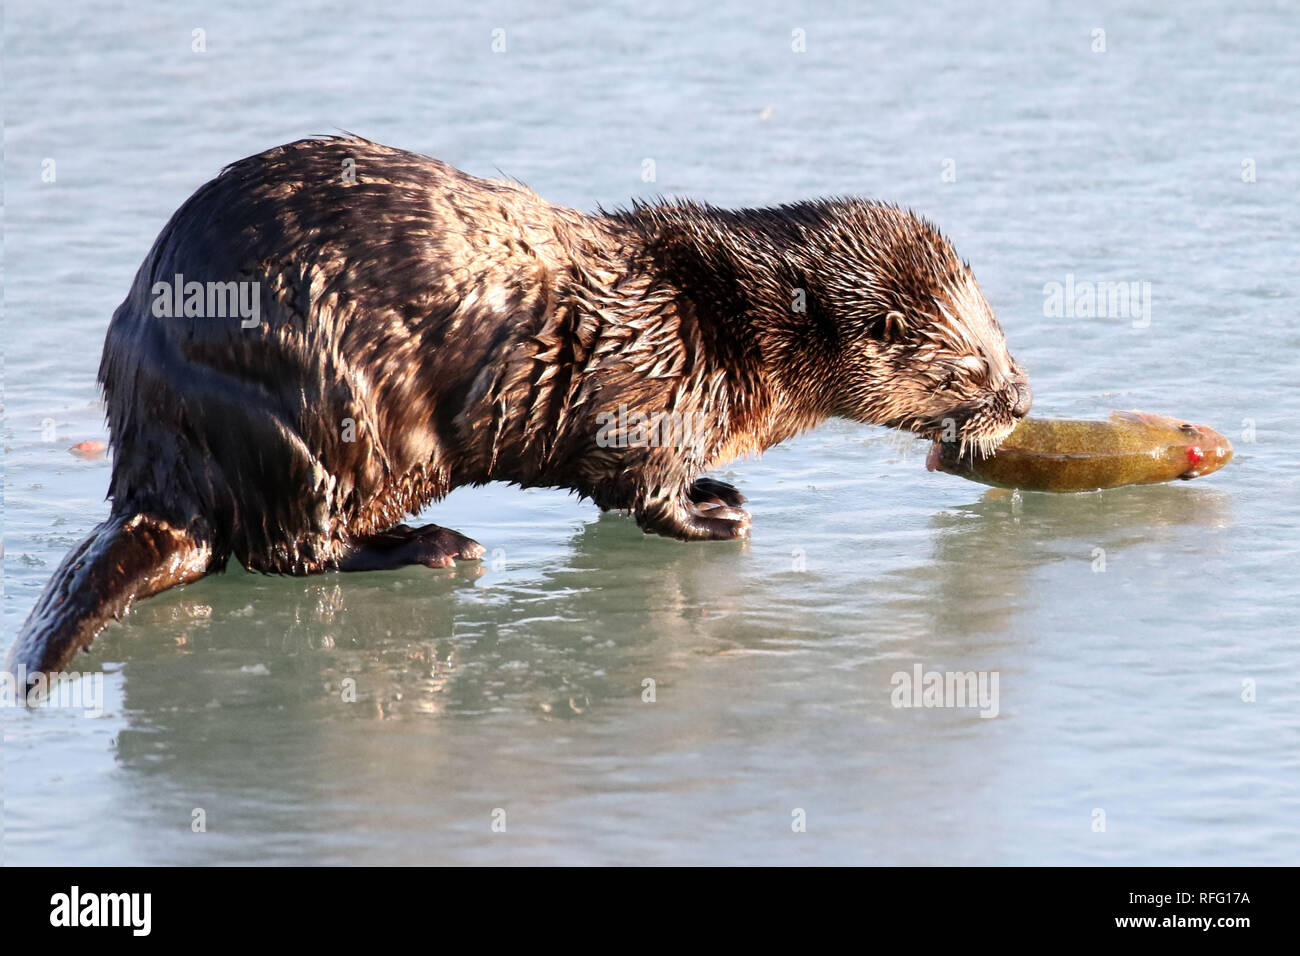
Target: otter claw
(721, 511)
(718, 522)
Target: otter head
(917, 345)
(859, 310)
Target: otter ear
(894, 326)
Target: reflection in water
(246, 681)
(988, 554)
(419, 642)
(253, 697)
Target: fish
(1070, 455)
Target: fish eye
(1188, 429)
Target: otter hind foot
(431, 545)
(712, 491)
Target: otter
(412, 329)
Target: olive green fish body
(1067, 455)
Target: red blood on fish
(88, 449)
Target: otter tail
(128, 557)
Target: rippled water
(520, 688)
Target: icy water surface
(1124, 628)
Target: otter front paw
(401, 545)
(688, 521)
(711, 491)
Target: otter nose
(1024, 399)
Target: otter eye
(972, 369)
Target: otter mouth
(983, 439)
(977, 435)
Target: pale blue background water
(521, 689)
